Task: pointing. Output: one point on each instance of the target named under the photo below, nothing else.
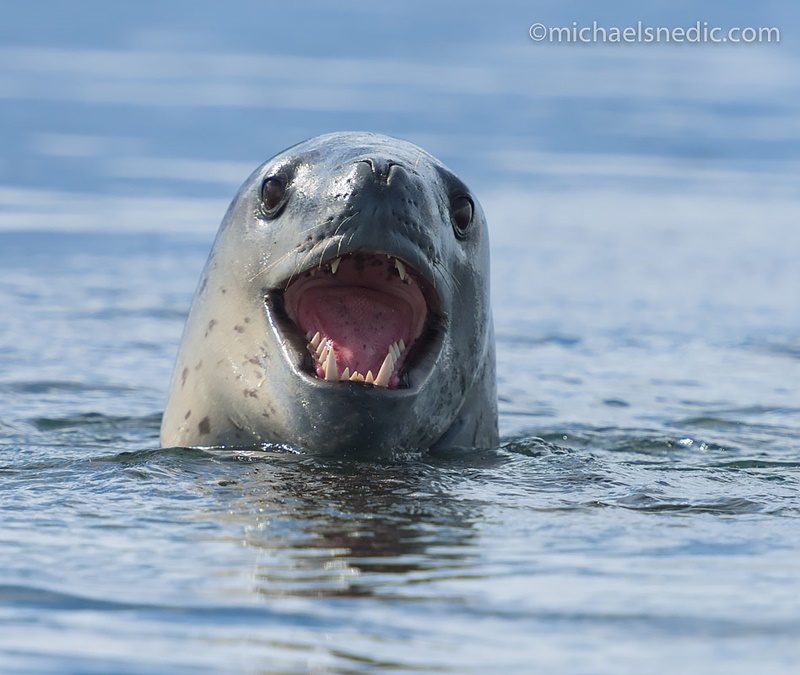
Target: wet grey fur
(238, 381)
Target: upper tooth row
(400, 265)
(321, 348)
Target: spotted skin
(239, 378)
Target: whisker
(298, 267)
(272, 264)
(448, 276)
(266, 268)
(322, 255)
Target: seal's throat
(362, 315)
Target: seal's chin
(365, 317)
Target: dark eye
(273, 190)
(461, 209)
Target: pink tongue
(361, 322)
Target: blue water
(642, 513)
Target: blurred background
(643, 204)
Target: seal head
(344, 307)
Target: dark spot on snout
(199, 365)
(211, 325)
(205, 426)
(252, 393)
(184, 375)
(238, 328)
(187, 415)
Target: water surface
(642, 508)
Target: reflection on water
(643, 207)
(351, 530)
(426, 561)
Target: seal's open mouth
(366, 318)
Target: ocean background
(642, 512)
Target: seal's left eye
(461, 209)
(273, 190)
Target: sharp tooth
(402, 345)
(331, 373)
(369, 379)
(401, 269)
(382, 380)
(395, 351)
(346, 374)
(321, 347)
(355, 377)
(323, 357)
(360, 377)
(316, 340)
(335, 265)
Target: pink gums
(361, 310)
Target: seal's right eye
(461, 210)
(273, 190)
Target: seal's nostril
(382, 168)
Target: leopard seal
(344, 307)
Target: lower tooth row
(322, 350)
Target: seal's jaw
(365, 318)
